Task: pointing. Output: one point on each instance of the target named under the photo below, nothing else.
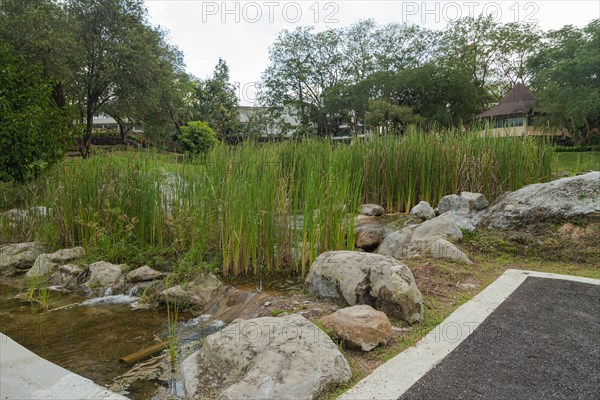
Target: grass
(260, 209)
(574, 162)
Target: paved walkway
(528, 335)
(24, 375)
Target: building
(516, 115)
(104, 122)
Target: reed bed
(256, 208)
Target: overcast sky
(242, 31)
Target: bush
(197, 138)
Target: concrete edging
(396, 376)
(25, 375)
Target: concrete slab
(24, 375)
(396, 377)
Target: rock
(398, 244)
(270, 358)
(195, 293)
(453, 202)
(423, 211)
(461, 220)
(440, 227)
(364, 278)
(436, 211)
(560, 199)
(144, 274)
(419, 240)
(441, 248)
(477, 201)
(45, 263)
(371, 210)
(101, 275)
(18, 257)
(360, 326)
(66, 276)
(369, 236)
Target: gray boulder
(373, 210)
(441, 248)
(101, 275)
(45, 263)
(477, 201)
(364, 278)
(463, 221)
(195, 293)
(66, 276)
(440, 227)
(267, 358)
(423, 211)
(560, 199)
(453, 202)
(144, 274)
(19, 257)
(398, 244)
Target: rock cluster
(365, 278)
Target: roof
(518, 101)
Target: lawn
(574, 162)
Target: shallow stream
(88, 339)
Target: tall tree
(566, 78)
(104, 31)
(217, 103)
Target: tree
(197, 138)
(33, 131)
(566, 78)
(217, 103)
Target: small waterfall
(108, 298)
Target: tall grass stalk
(266, 208)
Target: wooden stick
(143, 353)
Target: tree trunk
(86, 143)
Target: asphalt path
(543, 342)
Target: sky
(241, 32)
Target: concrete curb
(396, 376)
(25, 375)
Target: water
(89, 337)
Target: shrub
(197, 138)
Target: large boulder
(144, 274)
(477, 201)
(430, 238)
(195, 293)
(365, 278)
(46, 263)
(398, 244)
(360, 326)
(440, 227)
(102, 275)
(66, 276)
(423, 211)
(372, 210)
(560, 199)
(441, 248)
(267, 358)
(19, 257)
(453, 202)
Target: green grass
(256, 209)
(574, 162)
